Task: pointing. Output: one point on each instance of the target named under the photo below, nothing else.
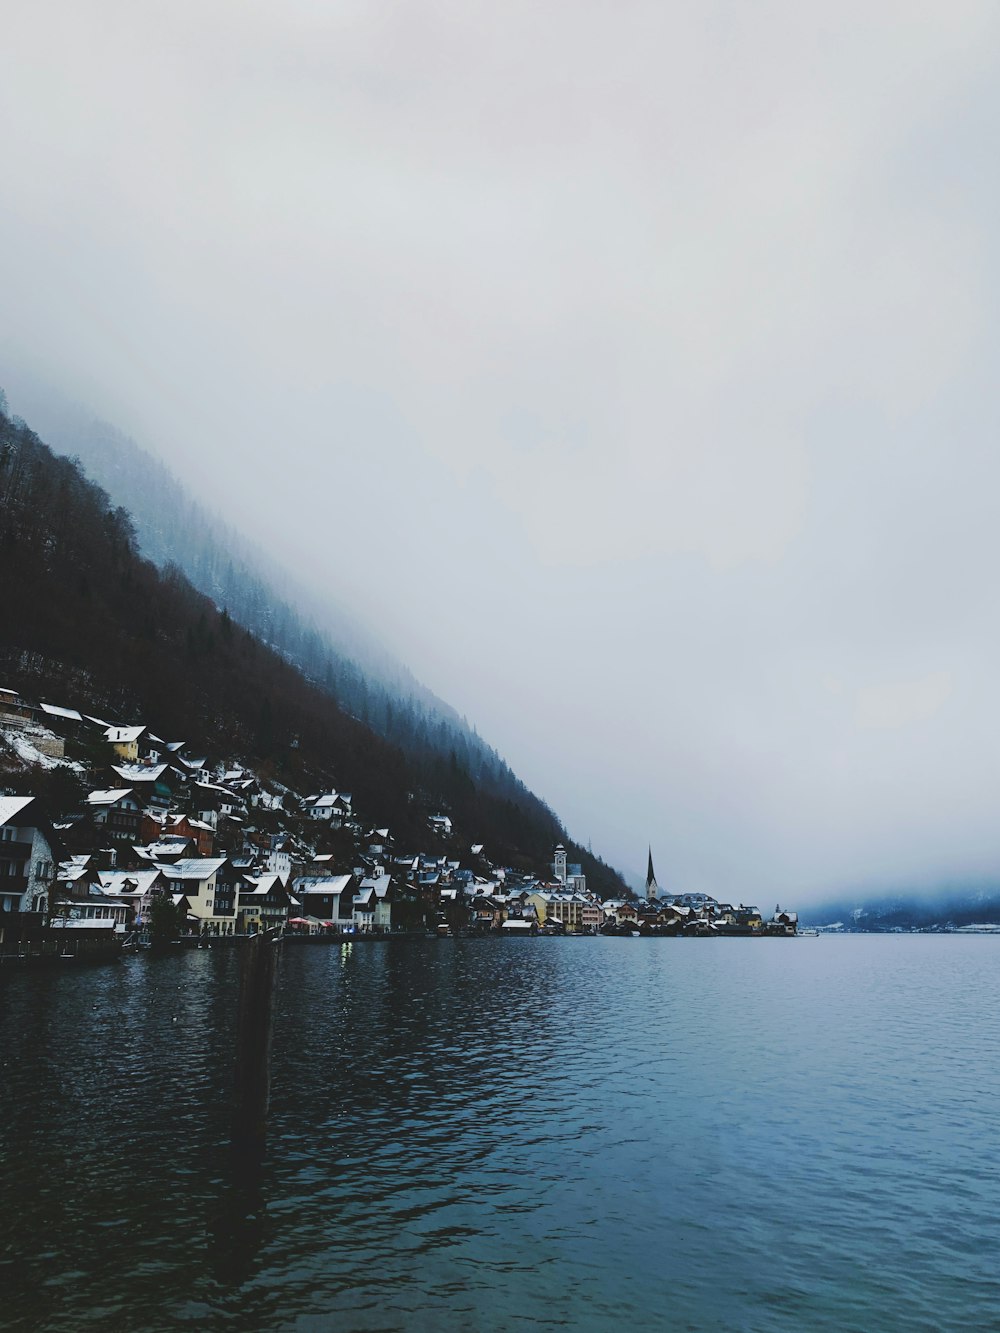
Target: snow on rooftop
(123, 735)
(194, 867)
(108, 797)
(12, 805)
(139, 772)
(53, 710)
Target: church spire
(652, 888)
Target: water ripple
(466, 1135)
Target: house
(262, 902)
(326, 897)
(134, 888)
(156, 826)
(333, 807)
(783, 923)
(620, 911)
(125, 741)
(64, 721)
(671, 917)
(520, 925)
(591, 915)
(559, 907)
(28, 855)
(441, 825)
(373, 905)
(211, 803)
(152, 784)
(14, 711)
(183, 826)
(115, 812)
(279, 856)
(487, 913)
(76, 877)
(209, 884)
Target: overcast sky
(631, 366)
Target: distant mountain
(202, 647)
(946, 908)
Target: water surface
(497, 1134)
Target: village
(169, 846)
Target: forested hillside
(89, 621)
(329, 646)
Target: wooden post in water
(258, 964)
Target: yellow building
(125, 741)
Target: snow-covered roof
(11, 806)
(128, 882)
(379, 886)
(263, 885)
(166, 846)
(70, 871)
(123, 735)
(139, 772)
(108, 797)
(332, 884)
(53, 710)
(194, 867)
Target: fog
(629, 368)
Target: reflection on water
(482, 1134)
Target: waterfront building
(27, 855)
(262, 902)
(209, 884)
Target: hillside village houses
(27, 856)
(233, 854)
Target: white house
(209, 884)
(27, 858)
(373, 904)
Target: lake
(500, 1134)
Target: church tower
(652, 888)
(559, 864)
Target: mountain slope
(330, 647)
(87, 618)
